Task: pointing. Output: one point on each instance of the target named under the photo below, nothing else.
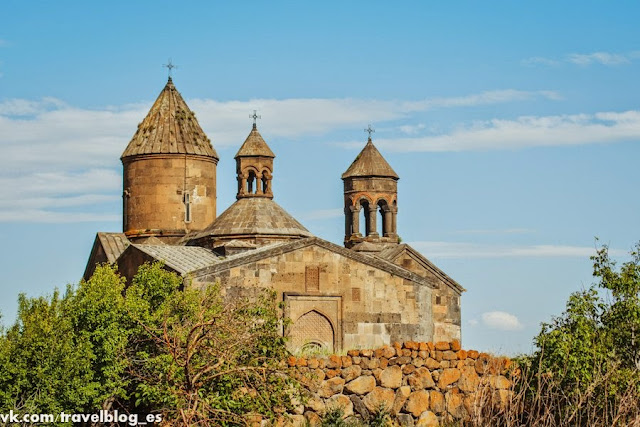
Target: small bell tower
(370, 199)
(254, 166)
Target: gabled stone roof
(370, 163)
(170, 127)
(107, 247)
(391, 253)
(254, 146)
(254, 217)
(182, 259)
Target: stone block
(427, 419)
(417, 402)
(361, 385)
(448, 377)
(379, 397)
(421, 379)
(391, 377)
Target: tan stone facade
(168, 195)
(368, 293)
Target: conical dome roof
(370, 163)
(254, 146)
(254, 217)
(170, 127)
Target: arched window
(312, 329)
(187, 207)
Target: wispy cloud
(60, 157)
(584, 59)
(526, 131)
(3, 43)
(477, 250)
(501, 320)
(496, 231)
(604, 58)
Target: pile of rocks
(421, 384)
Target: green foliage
(148, 347)
(591, 352)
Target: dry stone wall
(419, 384)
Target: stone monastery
(372, 291)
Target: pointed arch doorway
(315, 322)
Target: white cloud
(45, 216)
(476, 250)
(584, 59)
(604, 58)
(496, 231)
(526, 131)
(501, 320)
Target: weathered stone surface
(315, 404)
(391, 377)
(361, 385)
(402, 393)
(380, 396)
(417, 402)
(346, 361)
(447, 377)
(469, 379)
(405, 420)
(351, 372)
(461, 354)
(455, 345)
(472, 354)
(499, 382)
(332, 373)
(408, 369)
(421, 379)
(359, 406)
(442, 346)
(295, 421)
(313, 419)
(330, 387)
(333, 362)
(432, 364)
(436, 402)
(341, 401)
(482, 366)
(427, 419)
(388, 352)
(455, 405)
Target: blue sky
(514, 127)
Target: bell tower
(254, 166)
(169, 182)
(370, 199)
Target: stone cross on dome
(169, 65)
(255, 117)
(369, 130)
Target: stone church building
(372, 291)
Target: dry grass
(541, 401)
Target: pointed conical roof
(254, 146)
(370, 163)
(170, 127)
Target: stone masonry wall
(420, 384)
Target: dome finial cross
(369, 130)
(255, 117)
